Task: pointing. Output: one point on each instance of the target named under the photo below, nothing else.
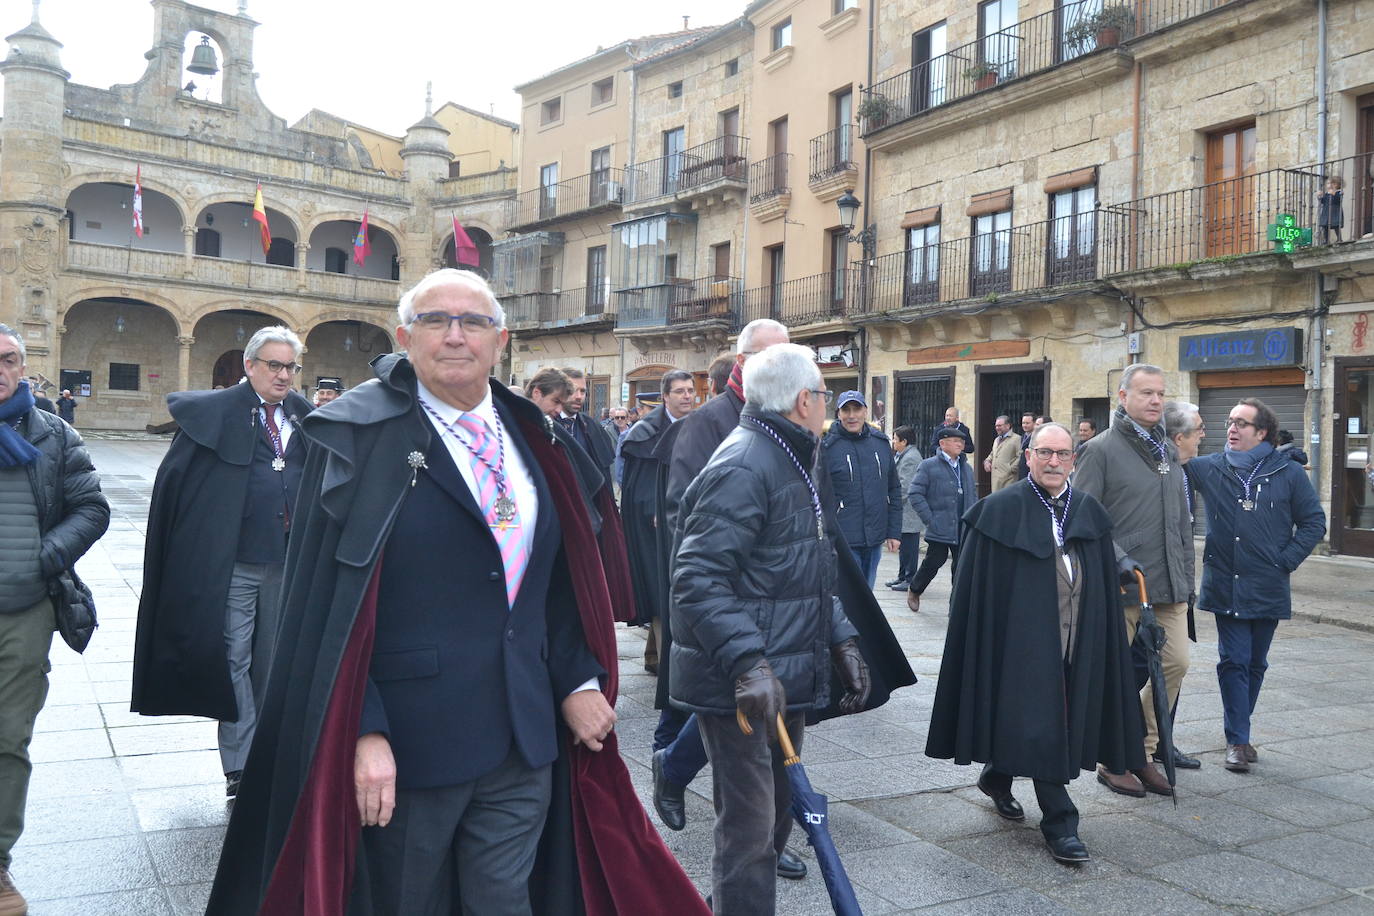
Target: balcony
(818, 299)
(833, 167)
(160, 268)
(552, 311)
(496, 183)
(991, 76)
(680, 313)
(718, 168)
(594, 192)
(769, 192)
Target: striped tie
(486, 455)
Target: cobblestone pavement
(126, 813)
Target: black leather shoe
(231, 783)
(891, 582)
(1068, 849)
(899, 586)
(1004, 802)
(791, 867)
(1181, 761)
(668, 796)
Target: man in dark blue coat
(863, 476)
(217, 532)
(951, 421)
(1263, 519)
(941, 492)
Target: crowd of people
(399, 604)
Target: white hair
(449, 276)
(745, 344)
(273, 334)
(1135, 369)
(1040, 430)
(1180, 417)
(7, 331)
(774, 377)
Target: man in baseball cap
(863, 476)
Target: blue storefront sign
(1261, 349)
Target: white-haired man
(446, 628)
(217, 529)
(753, 590)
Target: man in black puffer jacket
(755, 619)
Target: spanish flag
(260, 215)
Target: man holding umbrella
(1132, 470)
(755, 621)
(1036, 681)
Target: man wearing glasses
(221, 514)
(446, 637)
(1036, 680)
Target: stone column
(302, 282)
(184, 363)
(188, 233)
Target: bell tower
(31, 201)
(426, 155)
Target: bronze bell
(203, 58)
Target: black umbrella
(1152, 638)
(809, 808)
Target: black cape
(180, 666)
(1003, 697)
(683, 450)
(646, 533)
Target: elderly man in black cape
(647, 537)
(1036, 680)
(221, 513)
(684, 450)
(437, 732)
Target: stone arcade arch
(343, 348)
(331, 249)
(481, 238)
(222, 331)
(101, 213)
(130, 348)
(225, 228)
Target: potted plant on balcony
(875, 110)
(982, 74)
(1103, 29)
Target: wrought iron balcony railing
(768, 177)
(679, 301)
(726, 158)
(806, 300)
(601, 189)
(832, 152)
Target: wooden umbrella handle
(784, 739)
(1140, 581)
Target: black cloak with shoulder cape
(647, 538)
(180, 666)
(293, 838)
(1005, 696)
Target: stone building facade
(138, 317)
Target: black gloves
(759, 695)
(1126, 568)
(854, 672)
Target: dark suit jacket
(457, 675)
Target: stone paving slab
(127, 813)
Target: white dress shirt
(285, 426)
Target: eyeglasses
(277, 368)
(824, 394)
(1045, 454)
(1238, 423)
(470, 322)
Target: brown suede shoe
(913, 601)
(1120, 783)
(1153, 780)
(12, 903)
(1251, 755)
(1235, 759)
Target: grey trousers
(753, 813)
(474, 843)
(250, 638)
(25, 638)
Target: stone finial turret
(35, 46)
(425, 150)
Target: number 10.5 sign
(1287, 236)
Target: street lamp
(849, 206)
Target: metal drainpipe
(634, 124)
(1317, 325)
(863, 224)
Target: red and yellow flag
(260, 215)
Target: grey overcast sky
(369, 61)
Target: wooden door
(1229, 196)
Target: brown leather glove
(759, 695)
(854, 672)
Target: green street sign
(1286, 234)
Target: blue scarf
(1246, 461)
(15, 450)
